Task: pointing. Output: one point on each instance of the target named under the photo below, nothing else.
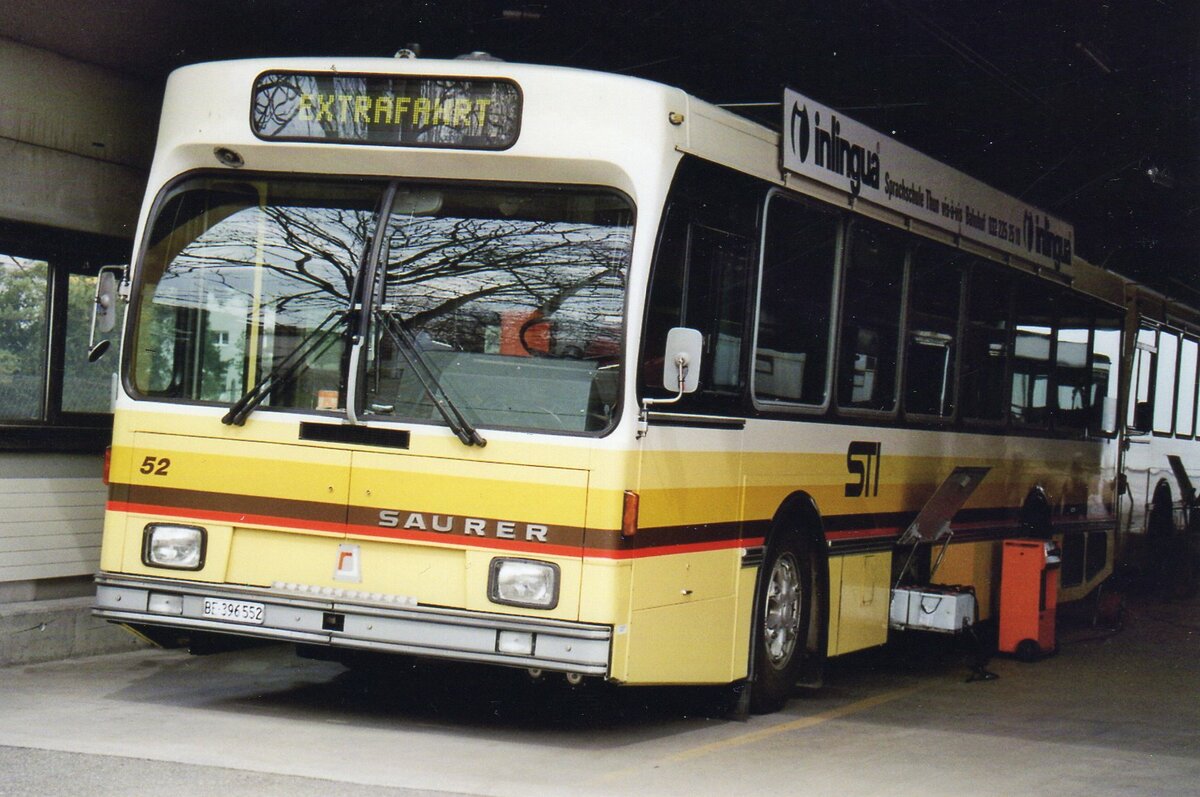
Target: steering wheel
(530, 324)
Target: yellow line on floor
(795, 725)
(774, 730)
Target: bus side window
(700, 282)
(985, 344)
(716, 302)
(1164, 387)
(1106, 353)
(1142, 391)
(1073, 380)
(1036, 321)
(664, 308)
(935, 289)
(795, 303)
(1185, 404)
(870, 337)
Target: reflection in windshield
(236, 276)
(514, 298)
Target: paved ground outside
(1111, 714)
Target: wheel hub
(781, 615)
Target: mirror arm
(681, 366)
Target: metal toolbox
(932, 608)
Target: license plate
(234, 611)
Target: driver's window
(701, 279)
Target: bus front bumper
(356, 622)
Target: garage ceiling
(1085, 108)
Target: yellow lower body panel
(860, 593)
(688, 620)
(685, 643)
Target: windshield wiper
(411, 351)
(314, 343)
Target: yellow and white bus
(574, 372)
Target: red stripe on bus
(458, 540)
(520, 546)
(717, 545)
(226, 517)
(857, 534)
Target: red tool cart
(1029, 598)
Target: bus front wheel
(782, 611)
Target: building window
(51, 396)
(24, 302)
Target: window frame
(66, 253)
(1185, 339)
(905, 239)
(684, 208)
(835, 290)
(1173, 398)
(964, 271)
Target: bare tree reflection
(441, 268)
(471, 275)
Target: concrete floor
(1111, 714)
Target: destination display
(826, 146)
(390, 110)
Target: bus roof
(571, 125)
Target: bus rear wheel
(782, 613)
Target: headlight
(521, 582)
(176, 547)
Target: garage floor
(1114, 713)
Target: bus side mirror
(1143, 417)
(681, 360)
(681, 370)
(104, 310)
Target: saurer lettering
(466, 526)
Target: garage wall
(51, 512)
(75, 142)
(75, 147)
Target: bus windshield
(509, 300)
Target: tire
(783, 607)
(1028, 651)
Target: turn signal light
(629, 514)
